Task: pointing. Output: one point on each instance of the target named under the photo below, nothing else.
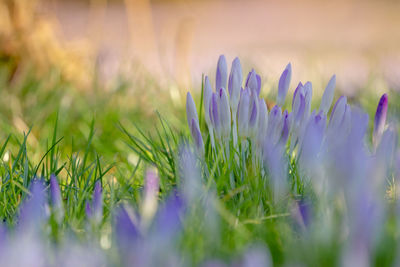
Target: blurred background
(177, 41)
(119, 60)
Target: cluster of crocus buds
(331, 150)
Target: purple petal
(380, 118)
(55, 192)
(221, 76)
(196, 135)
(191, 112)
(284, 82)
(327, 97)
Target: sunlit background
(178, 41)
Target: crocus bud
(308, 97)
(207, 93)
(296, 91)
(235, 84)
(127, 231)
(214, 114)
(97, 203)
(197, 138)
(253, 82)
(32, 210)
(243, 113)
(253, 120)
(151, 189)
(327, 97)
(286, 127)
(283, 86)
(222, 73)
(275, 125)
(380, 119)
(262, 121)
(56, 199)
(224, 113)
(337, 112)
(191, 112)
(55, 193)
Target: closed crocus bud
(262, 121)
(224, 113)
(253, 120)
(191, 112)
(207, 93)
(56, 199)
(327, 97)
(97, 203)
(55, 193)
(380, 119)
(298, 89)
(222, 73)
(197, 138)
(286, 126)
(253, 82)
(235, 84)
(151, 189)
(311, 145)
(283, 86)
(338, 112)
(127, 231)
(243, 113)
(308, 97)
(214, 114)
(275, 125)
(299, 107)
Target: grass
(48, 127)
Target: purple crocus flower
(151, 188)
(338, 112)
(283, 86)
(244, 113)
(262, 122)
(308, 95)
(327, 97)
(253, 82)
(311, 141)
(275, 125)
(32, 210)
(286, 118)
(97, 202)
(214, 114)
(196, 135)
(254, 114)
(56, 199)
(127, 232)
(55, 192)
(222, 72)
(296, 91)
(95, 211)
(168, 219)
(380, 119)
(191, 112)
(207, 94)
(235, 84)
(224, 113)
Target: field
(240, 170)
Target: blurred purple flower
(222, 72)
(191, 112)
(283, 86)
(327, 97)
(235, 84)
(253, 82)
(380, 119)
(224, 113)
